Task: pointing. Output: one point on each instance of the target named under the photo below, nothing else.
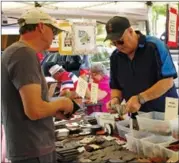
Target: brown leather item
(101, 132)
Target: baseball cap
(115, 27)
(35, 16)
(54, 69)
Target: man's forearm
(158, 89)
(116, 93)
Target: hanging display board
(65, 39)
(54, 46)
(172, 27)
(83, 38)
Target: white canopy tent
(101, 11)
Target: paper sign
(94, 93)
(81, 87)
(51, 90)
(173, 27)
(171, 108)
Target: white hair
(98, 68)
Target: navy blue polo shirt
(151, 63)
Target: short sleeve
(167, 66)
(164, 60)
(24, 68)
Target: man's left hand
(133, 104)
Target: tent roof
(101, 11)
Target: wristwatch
(141, 100)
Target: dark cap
(115, 27)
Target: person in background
(142, 70)
(98, 74)
(26, 110)
(72, 64)
(40, 57)
(67, 81)
(85, 68)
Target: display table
(76, 148)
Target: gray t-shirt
(24, 138)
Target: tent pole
(147, 22)
(167, 21)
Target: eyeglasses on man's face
(117, 42)
(54, 30)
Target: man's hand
(68, 105)
(111, 103)
(59, 115)
(133, 104)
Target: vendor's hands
(110, 104)
(133, 104)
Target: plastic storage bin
(123, 128)
(175, 128)
(154, 122)
(170, 153)
(134, 143)
(154, 145)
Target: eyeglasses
(54, 30)
(118, 42)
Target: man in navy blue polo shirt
(142, 70)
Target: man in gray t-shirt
(26, 111)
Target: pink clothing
(40, 56)
(104, 85)
(3, 145)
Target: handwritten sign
(81, 87)
(171, 108)
(172, 27)
(94, 93)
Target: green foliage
(159, 9)
(100, 29)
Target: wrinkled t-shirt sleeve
(23, 68)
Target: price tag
(94, 93)
(82, 86)
(171, 108)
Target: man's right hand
(111, 103)
(67, 105)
